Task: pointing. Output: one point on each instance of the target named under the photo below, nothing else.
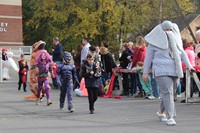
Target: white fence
(18, 50)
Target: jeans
(133, 89)
(138, 83)
(155, 88)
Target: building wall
(194, 24)
(11, 23)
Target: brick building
(11, 23)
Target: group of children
(66, 75)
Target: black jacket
(123, 60)
(57, 53)
(108, 63)
(90, 79)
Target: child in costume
(67, 74)
(91, 75)
(44, 66)
(37, 49)
(145, 85)
(23, 69)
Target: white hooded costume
(6, 65)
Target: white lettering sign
(3, 26)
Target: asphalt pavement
(126, 115)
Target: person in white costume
(7, 62)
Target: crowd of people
(157, 63)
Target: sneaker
(162, 117)
(171, 122)
(151, 97)
(178, 96)
(71, 110)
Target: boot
(49, 102)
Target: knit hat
(166, 25)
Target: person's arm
(74, 74)
(85, 74)
(185, 59)
(148, 60)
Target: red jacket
(139, 55)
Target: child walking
(44, 65)
(91, 81)
(23, 69)
(67, 74)
(145, 85)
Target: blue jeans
(133, 89)
(138, 83)
(155, 88)
(135, 82)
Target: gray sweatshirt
(161, 62)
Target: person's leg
(19, 83)
(95, 95)
(78, 74)
(69, 98)
(166, 85)
(47, 90)
(139, 84)
(24, 86)
(90, 98)
(155, 88)
(63, 91)
(125, 84)
(40, 84)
